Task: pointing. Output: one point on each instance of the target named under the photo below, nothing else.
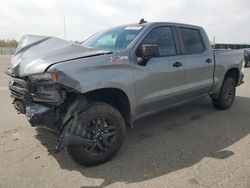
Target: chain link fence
(6, 50)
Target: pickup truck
(88, 93)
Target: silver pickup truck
(89, 92)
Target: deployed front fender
(70, 124)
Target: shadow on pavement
(167, 142)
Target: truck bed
(227, 57)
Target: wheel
(105, 127)
(227, 94)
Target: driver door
(161, 81)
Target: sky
(225, 20)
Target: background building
(230, 46)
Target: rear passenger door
(198, 57)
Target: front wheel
(227, 94)
(104, 126)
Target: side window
(163, 37)
(129, 38)
(192, 40)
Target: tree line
(8, 43)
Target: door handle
(208, 60)
(177, 64)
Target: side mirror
(148, 51)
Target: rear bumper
(39, 102)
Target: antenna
(64, 26)
(142, 21)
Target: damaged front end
(49, 105)
(43, 93)
(39, 101)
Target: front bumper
(40, 102)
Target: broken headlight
(44, 77)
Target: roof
(167, 23)
(158, 23)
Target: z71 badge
(119, 59)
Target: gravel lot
(193, 145)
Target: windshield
(115, 39)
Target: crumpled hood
(35, 54)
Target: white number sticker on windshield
(133, 28)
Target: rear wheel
(227, 94)
(105, 127)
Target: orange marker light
(53, 76)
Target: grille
(18, 88)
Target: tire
(104, 125)
(227, 94)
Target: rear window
(192, 40)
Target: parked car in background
(87, 93)
(247, 57)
